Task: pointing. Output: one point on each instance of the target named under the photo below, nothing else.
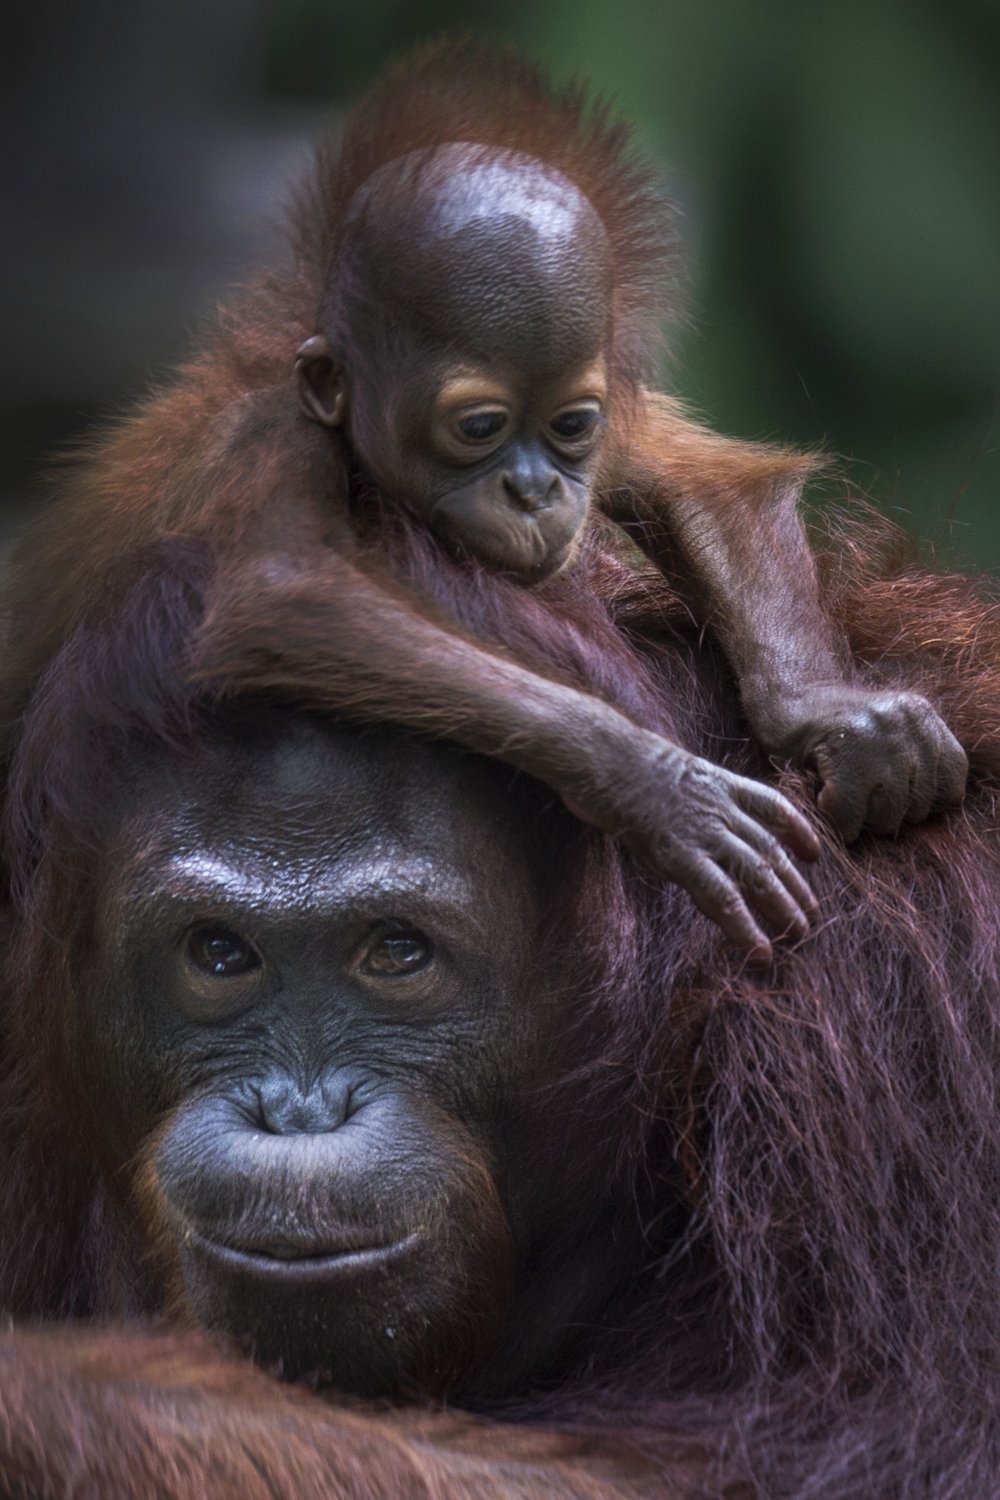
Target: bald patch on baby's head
(491, 253)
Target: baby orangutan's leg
(720, 518)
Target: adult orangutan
(473, 309)
(410, 1083)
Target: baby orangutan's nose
(531, 486)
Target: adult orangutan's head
(313, 1012)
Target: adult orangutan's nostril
(286, 1109)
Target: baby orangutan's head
(464, 349)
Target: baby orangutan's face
(471, 381)
(499, 465)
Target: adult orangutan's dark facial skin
(466, 361)
(309, 1013)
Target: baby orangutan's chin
(528, 546)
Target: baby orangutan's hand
(720, 837)
(884, 757)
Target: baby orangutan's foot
(884, 757)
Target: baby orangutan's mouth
(523, 553)
(529, 546)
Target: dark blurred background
(837, 166)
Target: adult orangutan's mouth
(298, 1267)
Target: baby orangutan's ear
(320, 382)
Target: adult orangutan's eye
(480, 426)
(221, 952)
(573, 425)
(399, 953)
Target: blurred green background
(837, 166)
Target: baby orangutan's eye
(398, 953)
(221, 952)
(571, 426)
(480, 426)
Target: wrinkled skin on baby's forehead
(494, 253)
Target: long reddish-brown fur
(815, 1153)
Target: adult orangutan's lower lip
(299, 1269)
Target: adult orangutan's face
(313, 1018)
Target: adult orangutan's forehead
(494, 251)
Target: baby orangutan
(478, 279)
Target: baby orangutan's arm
(255, 483)
(722, 516)
(129, 1412)
(331, 635)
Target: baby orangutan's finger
(768, 849)
(952, 771)
(844, 803)
(761, 889)
(775, 812)
(887, 807)
(939, 771)
(923, 789)
(718, 898)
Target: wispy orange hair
(478, 92)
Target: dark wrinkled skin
(720, 837)
(491, 277)
(346, 1180)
